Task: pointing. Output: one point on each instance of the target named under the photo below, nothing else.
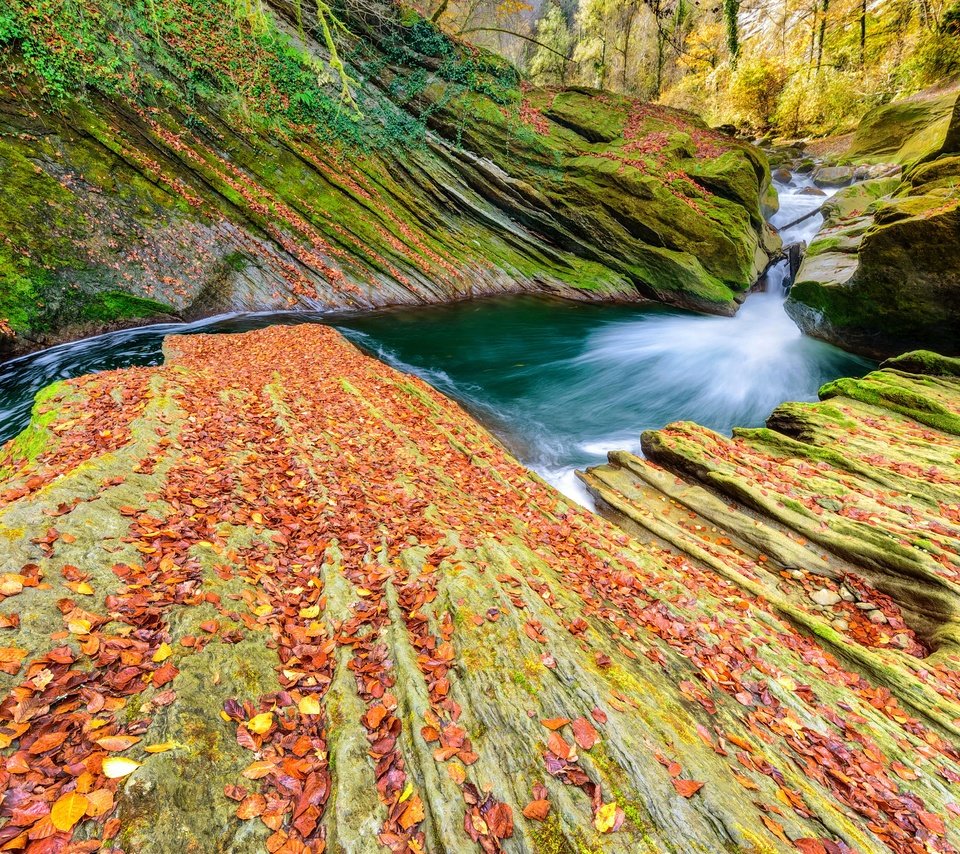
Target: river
(561, 383)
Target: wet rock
(833, 176)
(880, 276)
(783, 175)
(811, 191)
(877, 617)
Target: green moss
(548, 837)
(117, 305)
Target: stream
(560, 383)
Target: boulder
(883, 273)
(450, 180)
(851, 489)
(909, 131)
(833, 176)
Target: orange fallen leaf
(687, 788)
(68, 810)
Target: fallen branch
(519, 36)
(803, 218)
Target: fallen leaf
(585, 734)
(118, 766)
(687, 788)
(260, 724)
(537, 810)
(67, 810)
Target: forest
(788, 67)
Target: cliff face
(276, 596)
(186, 161)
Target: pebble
(846, 595)
(840, 624)
(825, 597)
(877, 617)
(796, 574)
(866, 606)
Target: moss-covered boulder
(883, 274)
(909, 131)
(174, 160)
(275, 596)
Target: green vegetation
(793, 68)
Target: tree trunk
(730, 10)
(823, 33)
(863, 32)
(626, 51)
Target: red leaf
(585, 734)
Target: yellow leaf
(407, 791)
(362, 591)
(68, 810)
(163, 747)
(82, 588)
(311, 612)
(260, 723)
(309, 705)
(79, 626)
(606, 817)
(224, 716)
(117, 766)
(164, 651)
(262, 610)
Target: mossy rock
(913, 130)
(245, 185)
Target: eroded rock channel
(320, 608)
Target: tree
(548, 65)
(731, 9)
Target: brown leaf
(537, 810)
(558, 746)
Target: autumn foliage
(279, 570)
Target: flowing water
(561, 383)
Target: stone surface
(833, 176)
(883, 273)
(909, 131)
(164, 196)
(862, 489)
(386, 606)
(826, 597)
